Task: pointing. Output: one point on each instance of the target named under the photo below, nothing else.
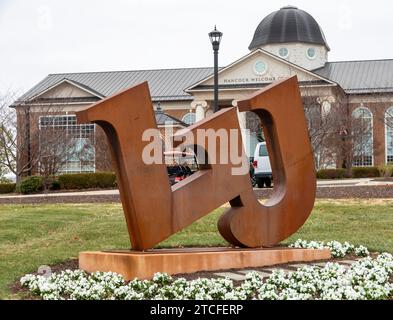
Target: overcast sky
(39, 37)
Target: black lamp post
(215, 39)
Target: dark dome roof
(289, 24)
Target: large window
(389, 135)
(362, 134)
(189, 118)
(65, 146)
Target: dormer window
(283, 53)
(311, 53)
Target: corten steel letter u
(154, 210)
(247, 222)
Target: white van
(262, 168)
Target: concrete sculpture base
(143, 265)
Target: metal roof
(354, 77)
(289, 24)
(367, 76)
(164, 84)
(165, 119)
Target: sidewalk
(63, 194)
(320, 183)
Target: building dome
(289, 24)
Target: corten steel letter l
(154, 211)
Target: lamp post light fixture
(215, 38)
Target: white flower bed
(338, 249)
(366, 279)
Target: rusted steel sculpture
(280, 109)
(154, 210)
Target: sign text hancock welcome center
(252, 80)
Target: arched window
(362, 134)
(189, 118)
(389, 135)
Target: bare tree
(33, 142)
(323, 121)
(101, 149)
(55, 145)
(326, 113)
(9, 136)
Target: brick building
(287, 42)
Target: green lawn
(35, 235)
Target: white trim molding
(388, 127)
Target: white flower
(366, 279)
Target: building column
(326, 104)
(241, 116)
(200, 109)
(245, 133)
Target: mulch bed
(210, 274)
(347, 192)
(16, 287)
(383, 179)
(107, 198)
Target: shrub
(73, 181)
(55, 185)
(364, 172)
(7, 187)
(385, 170)
(49, 183)
(87, 180)
(106, 179)
(30, 185)
(331, 174)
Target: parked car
(180, 165)
(262, 169)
